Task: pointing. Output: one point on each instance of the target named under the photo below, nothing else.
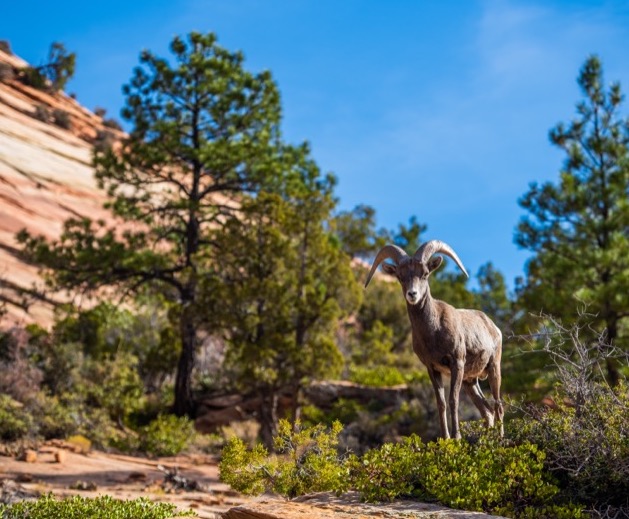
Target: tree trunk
(268, 417)
(183, 383)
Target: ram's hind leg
(494, 378)
(476, 395)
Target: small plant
(103, 507)
(54, 74)
(104, 141)
(6, 72)
(61, 118)
(42, 113)
(167, 435)
(80, 442)
(306, 461)
(112, 123)
(15, 423)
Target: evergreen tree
(203, 132)
(578, 228)
(55, 73)
(493, 298)
(284, 285)
(356, 229)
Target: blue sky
(434, 109)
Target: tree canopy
(578, 227)
(203, 131)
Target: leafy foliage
(487, 475)
(14, 423)
(103, 507)
(55, 73)
(167, 435)
(282, 286)
(307, 461)
(204, 131)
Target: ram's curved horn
(387, 252)
(428, 249)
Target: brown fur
(462, 344)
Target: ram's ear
(389, 268)
(434, 263)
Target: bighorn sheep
(464, 344)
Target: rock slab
(329, 506)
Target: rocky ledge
(329, 506)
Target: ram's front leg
(437, 384)
(456, 373)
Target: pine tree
(578, 228)
(203, 133)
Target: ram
(462, 344)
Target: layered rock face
(46, 177)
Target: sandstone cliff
(45, 177)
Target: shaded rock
(84, 485)
(60, 456)
(28, 455)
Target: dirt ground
(124, 477)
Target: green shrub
(15, 423)
(486, 476)
(306, 461)
(103, 507)
(61, 118)
(587, 449)
(33, 77)
(52, 418)
(379, 376)
(586, 438)
(167, 435)
(388, 472)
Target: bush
(104, 141)
(52, 419)
(587, 451)
(586, 438)
(167, 435)
(33, 77)
(14, 422)
(488, 476)
(113, 124)
(42, 113)
(307, 461)
(5, 47)
(103, 507)
(380, 376)
(61, 118)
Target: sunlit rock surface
(327, 505)
(45, 177)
